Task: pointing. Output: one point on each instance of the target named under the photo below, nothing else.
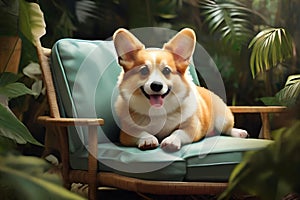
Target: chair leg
(92, 192)
(265, 126)
(64, 153)
(92, 162)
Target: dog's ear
(126, 45)
(182, 47)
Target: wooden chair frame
(92, 177)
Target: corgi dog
(158, 104)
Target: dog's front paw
(171, 143)
(236, 132)
(149, 142)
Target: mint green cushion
(214, 158)
(85, 74)
(211, 159)
(130, 161)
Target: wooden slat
(47, 76)
(161, 187)
(257, 109)
(70, 121)
(265, 126)
(92, 162)
(264, 112)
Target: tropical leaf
(269, 47)
(10, 88)
(12, 128)
(32, 23)
(230, 19)
(290, 93)
(270, 173)
(287, 96)
(270, 101)
(7, 78)
(14, 90)
(26, 177)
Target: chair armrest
(92, 124)
(257, 109)
(70, 121)
(263, 111)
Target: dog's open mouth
(156, 100)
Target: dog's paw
(149, 142)
(171, 143)
(236, 132)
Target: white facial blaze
(155, 76)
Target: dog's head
(153, 77)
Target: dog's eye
(144, 70)
(166, 71)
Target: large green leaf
(26, 177)
(32, 23)
(270, 47)
(12, 128)
(7, 78)
(270, 173)
(14, 90)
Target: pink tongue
(156, 100)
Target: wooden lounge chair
(90, 169)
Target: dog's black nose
(156, 86)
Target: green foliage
(270, 47)
(14, 90)
(270, 173)
(31, 22)
(268, 8)
(20, 16)
(231, 19)
(10, 126)
(9, 12)
(150, 12)
(287, 96)
(24, 177)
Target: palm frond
(229, 19)
(290, 93)
(269, 47)
(287, 96)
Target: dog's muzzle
(156, 100)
